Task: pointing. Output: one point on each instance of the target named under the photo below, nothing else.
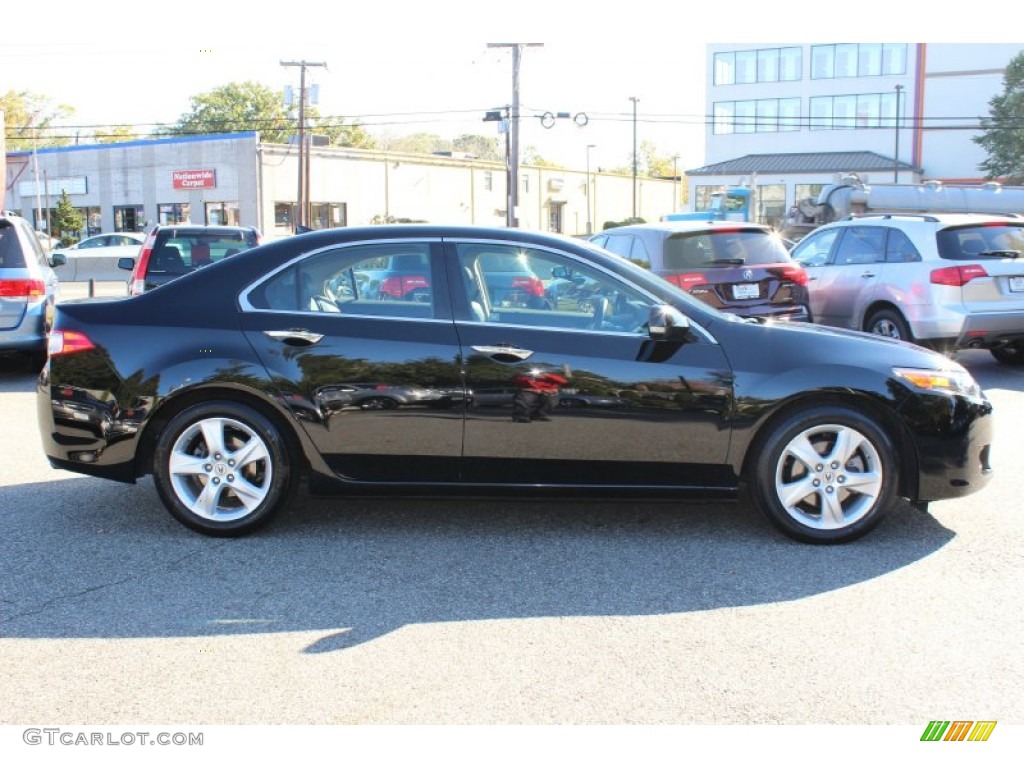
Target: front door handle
(297, 337)
(503, 353)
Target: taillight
(793, 272)
(957, 276)
(138, 283)
(533, 286)
(22, 289)
(68, 342)
(687, 280)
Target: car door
(375, 381)
(844, 266)
(575, 392)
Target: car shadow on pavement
(17, 374)
(85, 558)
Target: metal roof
(802, 162)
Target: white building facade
(236, 179)
(791, 117)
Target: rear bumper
(991, 329)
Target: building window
(526, 184)
(702, 196)
(765, 65)
(760, 116)
(129, 218)
(805, 191)
(173, 213)
(328, 215)
(284, 215)
(223, 213)
(858, 60)
(865, 110)
(771, 203)
(488, 181)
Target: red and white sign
(203, 179)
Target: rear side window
(11, 253)
(988, 241)
(861, 245)
(899, 249)
(699, 250)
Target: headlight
(951, 381)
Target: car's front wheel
(826, 475)
(222, 468)
(1011, 354)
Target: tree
(67, 220)
(29, 118)
(114, 134)
(649, 162)
(251, 106)
(483, 147)
(1002, 135)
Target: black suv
(738, 267)
(173, 250)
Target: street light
(590, 209)
(896, 160)
(634, 99)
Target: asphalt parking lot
(434, 611)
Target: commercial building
(788, 119)
(237, 179)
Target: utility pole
(634, 99)
(512, 218)
(590, 204)
(302, 203)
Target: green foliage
(649, 162)
(114, 134)
(1002, 134)
(624, 222)
(251, 106)
(67, 220)
(29, 118)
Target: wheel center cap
(221, 469)
(828, 477)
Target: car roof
(925, 219)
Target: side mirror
(58, 259)
(667, 323)
(560, 273)
(126, 263)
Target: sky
(405, 67)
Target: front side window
(814, 249)
(513, 285)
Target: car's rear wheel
(826, 475)
(222, 468)
(1011, 354)
(889, 322)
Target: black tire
(1011, 354)
(252, 478)
(378, 404)
(890, 323)
(849, 488)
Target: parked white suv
(946, 281)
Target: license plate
(1017, 283)
(748, 291)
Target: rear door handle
(297, 337)
(503, 353)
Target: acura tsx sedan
(233, 384)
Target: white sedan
(95, 258)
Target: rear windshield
(181, 253)
(11, 254)
(987, 241)
(699, 250)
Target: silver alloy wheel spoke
(187, 464)
(829, 477)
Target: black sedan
(224, 385)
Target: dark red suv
(173, 250)
(738, 267)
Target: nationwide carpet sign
(201, 179)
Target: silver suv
(946, 281)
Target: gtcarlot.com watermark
(59, 737)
